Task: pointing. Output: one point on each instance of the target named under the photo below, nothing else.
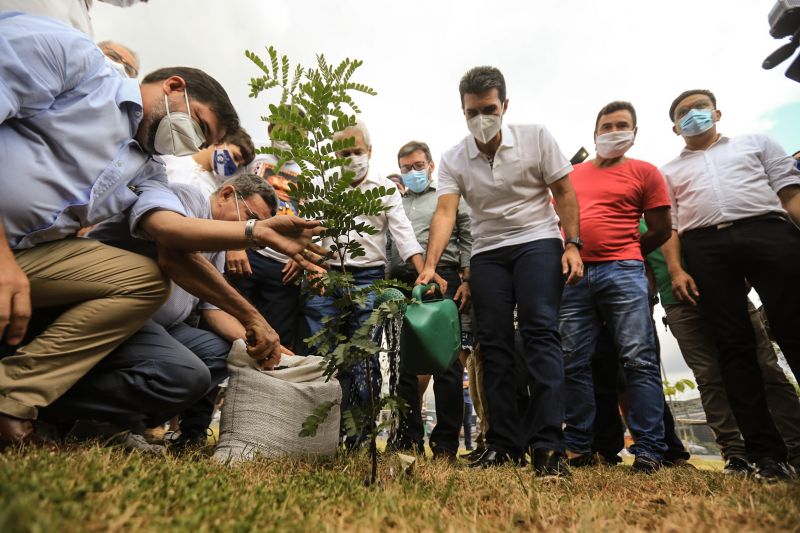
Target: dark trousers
(468, 425)
(609, 382)
(767, 254)
(447, 389)
(280, 304)
(528, 275)
(144, 382)
(212, 350)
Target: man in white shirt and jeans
(506, 174)
(369, 267)
(732, 201)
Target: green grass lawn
(94, 489)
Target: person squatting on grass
(78, 144)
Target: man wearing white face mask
(614, 192)
(736, 207)
(506, 174)
(371, 266)
(84, 141)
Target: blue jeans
(614, 292)
(355, 388)
(528, 275)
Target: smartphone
(580, 156)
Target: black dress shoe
(768, 470)
(550, 464)
(443, 454)
(474, 454)
(492, 458)
(582, 460)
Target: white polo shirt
(510, 200)
(394, 220)
(736, 177)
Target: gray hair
(101, 44)
(360, 126)
(248, 185)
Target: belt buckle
(724, 225)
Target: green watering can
(431, 336)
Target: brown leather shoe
(14, 430)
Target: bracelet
(248, 233)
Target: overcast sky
(562, 60)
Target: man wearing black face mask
(83, 140)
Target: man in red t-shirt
(613, 193)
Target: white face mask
(178, 133)
(119, 67)
(614, 144)
(484, 127)
(358, 164)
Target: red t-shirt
(611, 202)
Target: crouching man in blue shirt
(77, 142)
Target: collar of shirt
(129, 93)
(721, 140)
(506, 141)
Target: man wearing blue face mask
(734, 202)
(419, 203)
(210, 167)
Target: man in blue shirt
(77, 142)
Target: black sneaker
(736, 466)
(492, 458)
(550, 464)
(186, 442)
(768, 470)
(645, 465)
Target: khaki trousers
(477, 392)
(109, 293)
(696, 342)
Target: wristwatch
(574, 240)
(248, 232)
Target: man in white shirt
(506, 174)
(733, 202)
(371, 266)
(208, 169)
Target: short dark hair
(242, 139)
(413, 146)
(248, 185)
(478, 80)
(613, 107)
(686, 94)
(202, 88)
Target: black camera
(784, 21)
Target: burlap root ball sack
(264, 410)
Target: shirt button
(138, 114)
(119, 164)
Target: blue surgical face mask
(416, 180)
(223, 163)
(697, 121)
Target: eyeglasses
(419, 165)
(130, 70)
(249, 212)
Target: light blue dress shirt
(67, 122)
